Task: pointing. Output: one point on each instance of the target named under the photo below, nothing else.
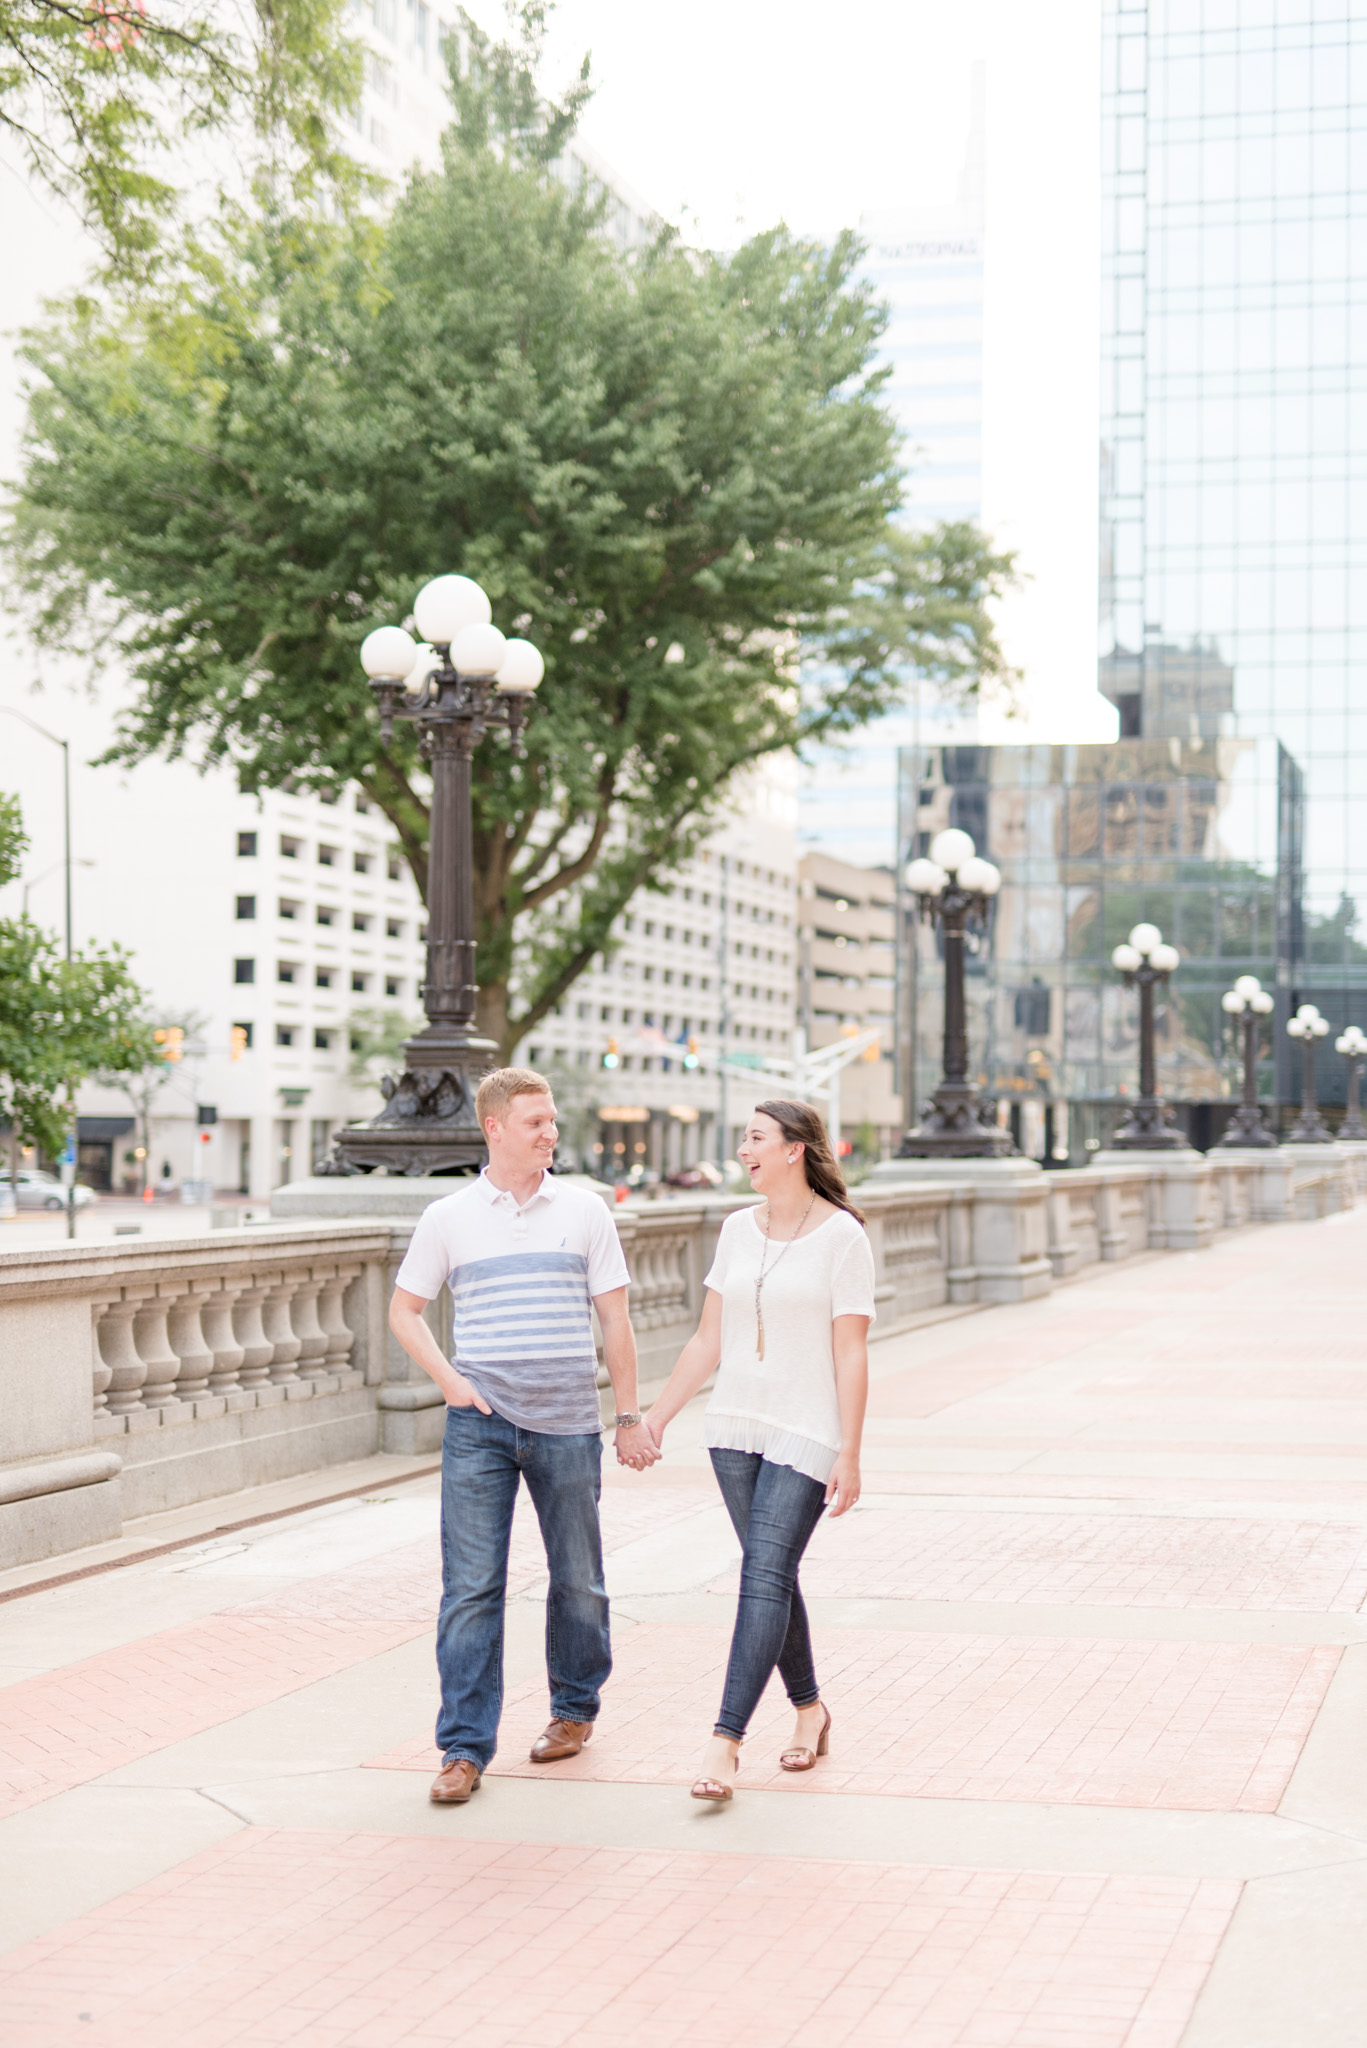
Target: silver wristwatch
(625, 1421)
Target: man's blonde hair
(498, 1089)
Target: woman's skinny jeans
(775, 1510)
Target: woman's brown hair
(801, 1125)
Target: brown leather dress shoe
(561, 1739)
(456, 1781)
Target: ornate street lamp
(1309, 1127)
(465, 678)
(955, 887)
(1144, 963)
(1250, 1000)
(1353, 1045)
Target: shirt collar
(493, 1195)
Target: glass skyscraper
(1234, 425)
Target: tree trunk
(492, 1016)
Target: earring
(792, 1159)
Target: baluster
(154, 1348)
(120, 1354)
(275, 1320)
(313, 1342)
(186, 1338)
(101, 1372)
(216, 1321)
(332, 1316)
(249, 1328)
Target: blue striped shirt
(522, 1281)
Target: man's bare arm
(406, 1321)
(634, 1446)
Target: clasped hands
(637, 1446)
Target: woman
(785, 1327)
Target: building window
(359, 921)
(325, 914)
(241, 1039)
(394, 868)
(284, 1034)
(244, 971)
(290, 849)
(322, 977)
(288, 908)
(246, 845)
(327, 856)
(392, 928)
(361, 863)
(285, 970)
(322, 1041)
(328, 797)
(246, 906)
(422, 934)
(363, 804)
(359, 984)
(392, 985)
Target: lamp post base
(1353, 1127)
(428, 1123)
(1146, 1129)
(953, 1128)
(1310, 1129)
(1247, 1127)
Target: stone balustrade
(136, 1377)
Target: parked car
(703, 1175)
(34, 1189)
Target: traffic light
(610, 1058)
(240, 1040)
(172, 1043)
(690, 1058)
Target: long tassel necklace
(763, 1261)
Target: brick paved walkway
(1104, 1601)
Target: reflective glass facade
(1234, 431)
(1201, 837)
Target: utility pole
(724, 1018)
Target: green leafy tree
(375, 1037)
(100, 94)
(60, 1020)
(674, 471)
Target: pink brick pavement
(1206, 1727)
(77, 1722)
(381, 1941)
(891, 1553)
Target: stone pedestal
(1301, 1182)
(1181, 1206)
(999, 1232)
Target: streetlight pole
(1309, 1128)
(1145, 963)
(1250, 1000)
(467, 678)
(1353, 1045)
(955, 887)
(65, 746)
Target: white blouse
(784, 1405)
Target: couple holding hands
(787, 1307)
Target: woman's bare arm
(850, 1344)
(696, 1362)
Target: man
(523, 1255)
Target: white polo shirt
(522, 1278)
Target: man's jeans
(483, 1458)
(774, 1511)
